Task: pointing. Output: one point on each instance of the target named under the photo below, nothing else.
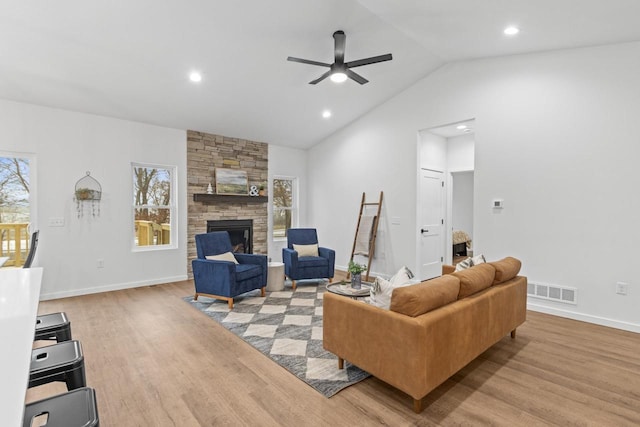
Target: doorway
(449, 149)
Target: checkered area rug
(287, 327)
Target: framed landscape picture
(231, 181)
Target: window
(154, 212)
(14, 209)
(285, 206)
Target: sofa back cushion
(418, 299)
(475, 279)
(506, 269)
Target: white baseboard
(108, 288)
(603, 321)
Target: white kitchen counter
(19, 296)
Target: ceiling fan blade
(340, 39)
(356, 77)
(321, 78)
(307, 61)
(367, 61)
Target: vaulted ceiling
(131, 59)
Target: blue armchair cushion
(247, 271)
(312, 261)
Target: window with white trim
(285, 205)
(154, 207)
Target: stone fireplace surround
(205, 152)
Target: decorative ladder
(374, 232)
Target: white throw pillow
(402, 276)
(227, 256)
(479, 259)
(306, 250)
(463, 265)
(382, 289)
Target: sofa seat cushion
(506, 269)
(416, 300)
(247, 271)
(475, 279)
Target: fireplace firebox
(240, 231)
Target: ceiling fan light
(511, 30)
(338, 77)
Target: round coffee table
(345, 289)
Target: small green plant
(355, 268)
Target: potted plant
(356, 270)
(261, 188)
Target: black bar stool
(59, 362)
(77, 408)
(54, 326)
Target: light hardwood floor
(156, 361)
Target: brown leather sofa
(432, 330)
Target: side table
(275, 277)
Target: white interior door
(431, 223)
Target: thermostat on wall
(497, 203)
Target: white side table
(275, 278)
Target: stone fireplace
(240, 232)
(205, 153)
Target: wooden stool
(59, 362)
(54, 326)
(77, 408)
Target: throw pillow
(463, 265)
(227, 256)
(306, 250)
(381, 290)
(402, 276)
(479, 259)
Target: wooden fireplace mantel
(214, 198)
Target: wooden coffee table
(345, 289)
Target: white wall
(460, 153)
(462, 202)
(556, 138)
(288, 162)
(66, 145)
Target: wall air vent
(549, 292)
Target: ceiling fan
(340, 70)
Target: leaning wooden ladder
(374, 231)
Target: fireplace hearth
(240, 231)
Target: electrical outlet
(100, 263)
(622, 288)
(56, 222)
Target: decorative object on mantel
(209, 189)
(261, 189)
(253, 191)
(88, 193)
(231, 181)
(230, 198)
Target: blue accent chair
(307, 267)
(225, 279)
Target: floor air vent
(553, 292)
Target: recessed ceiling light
(338, 77)
(511, 30)
(326, 114)
(195, 77)
(461, 127)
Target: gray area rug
(287, 327)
